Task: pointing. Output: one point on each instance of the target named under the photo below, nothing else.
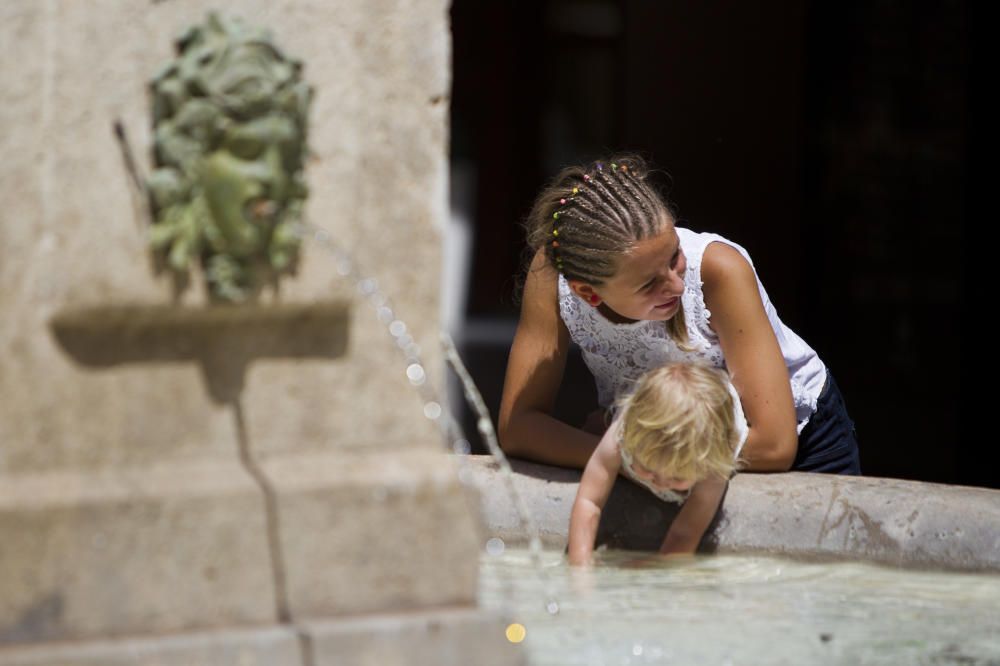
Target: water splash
(416, 373)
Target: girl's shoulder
(696, 243)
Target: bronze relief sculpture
(230, 125)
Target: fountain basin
(797, 514)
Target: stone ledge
(454, 636)
(132, 551)
(268, 646)
(363, 532)
(902, 523)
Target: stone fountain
(207, 455)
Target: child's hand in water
(646, 562)
(582, 580)
(654, 560)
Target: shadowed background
(835, 142)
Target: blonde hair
(679, 421)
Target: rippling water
(729, 609)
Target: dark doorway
(832, 141)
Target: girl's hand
(595, 423)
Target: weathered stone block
(155, 550)
(366, 532)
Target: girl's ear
(585, 291)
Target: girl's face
(649, 282)
(660, 481)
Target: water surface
(739, 609)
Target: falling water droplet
(415, 372)
(495, 546)
(432, 409)
(465, 475)
(637, 649)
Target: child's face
(660, 481)
(649, 282)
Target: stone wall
(166, 468)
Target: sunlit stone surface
(904, 523)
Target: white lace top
(742, 430)
(618, 354)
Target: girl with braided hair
(612, 272)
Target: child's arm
(689, 526)
(534, 372)
(595, 486)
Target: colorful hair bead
(555, 232)
(600, 167)
(555, 215)
(614, 167)
(562, 202)
(576, 190)
(586, 176)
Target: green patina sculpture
(229, 122)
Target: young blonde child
(679, 434)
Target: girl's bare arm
(534, 372)
(753, 358)
(595, 486)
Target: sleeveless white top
(618, 354)
(742, 430)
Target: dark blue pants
(829, 442)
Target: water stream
(368, 287)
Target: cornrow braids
(589, 216)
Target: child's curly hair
(680, 421)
